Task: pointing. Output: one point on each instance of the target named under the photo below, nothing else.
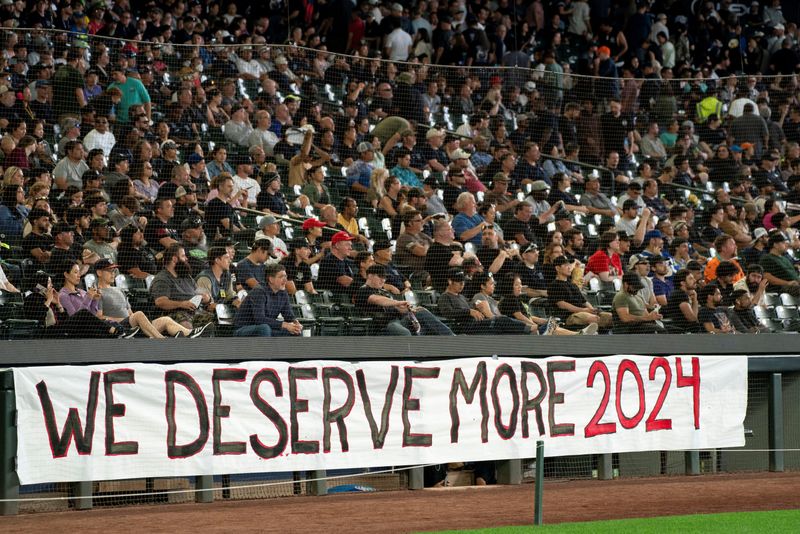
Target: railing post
(9, 482)
(416, 478)
(605, 467)
(509, 472)
(83, 490)
(775, 422)
(205, 486)
(319, 484)
(692, 462)
(538, 490)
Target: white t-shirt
(248, 184)
(398, 42)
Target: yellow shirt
(350, 226)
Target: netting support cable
(538, 491)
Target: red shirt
(601, 262)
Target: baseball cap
(312, 223)
(365, 147)
(459, 154)
(633, 280)
(180, 191)
(433, 132)
(500, 177)
(532, 247)
(338, 237)
(657, 259)
(758, 233)
(266, 220)
(454, 274)
(539, 185)
(191, 222)
(653, 234)
(169, 144)
(194, 158)
(561, 260)
(776, 237)
(103, 264)
(297, 243)
(604, 50)
(99, 222)
(635, 260)
(61, 228)
(381, 244)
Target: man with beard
(176, 294)
(102, 243)
(185, 204)
(683, 306)
(62, 256)
(133, 258)
(193, 239)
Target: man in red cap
(335, 269)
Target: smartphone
(39, 288)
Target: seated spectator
(221, 218)
(219, 163)
(114, 307)
(726, 272)
(298, 271)
(522, 227)
(497, 260)
(573, 241)
(396, 283)
(778, 268)
(43, 304)
(712, 315)
(266, 310)
(103, 243)
(159, 232)
(641, 266)
(543, 212)
(742, 316)
(271, 198)
(347, 220)
(38, 244)
(13, 211)
(631, 309)
(270, 228)
(363, 261)
(606, 263)
(134, 258)
(315, 188)
(725, 246)
(470, 320)
(250, 270)
(568, 302)
(468, 224)
(499, 195)
(442, 254)
(752, 254)
(403, 170)
(217, 280)
(336, 272)
(682, 305)
(662, 284)
(413, 244)
(175, 293)
(394, 317)
(754, 283)
(238, 129)
(532, 277)
(596, 202)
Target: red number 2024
(595, 427)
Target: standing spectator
(133, 94)
(68, 86)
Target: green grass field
(756, 522)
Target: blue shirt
(263, 306)
(360, 171)
(662, 288)
(462, 223)
(246, 270)
(407, 177)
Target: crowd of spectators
(648, 151)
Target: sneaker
(131, 334)
(206, 330)
(590, 330)
(552, 324)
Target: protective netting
(150, 186)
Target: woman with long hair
(377, 187)
(389, 205)
(219, 163)
(315, 188)
(144, 184)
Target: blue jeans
(429, 325)
(254, 330)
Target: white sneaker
(590, 330)
(552, 325)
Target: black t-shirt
(564, 290)
(531, 278)
(514, 226)
(331, 268)
(33, 241)
(511, 305)
(672, 311)
(437, 263)
(156, 230)
(216, 211)
(129, 258)
(272, 202)
(707, 315)
(450, 194)
(381, 316)
(299, 274)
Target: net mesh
(383, 150)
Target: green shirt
(65, 81)
(133, 92)
(634, 303)
(779, 267)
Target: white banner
(109, 422)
